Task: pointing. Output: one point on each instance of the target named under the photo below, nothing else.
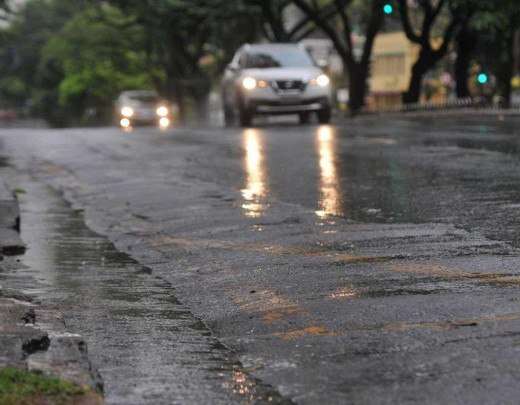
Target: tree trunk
(175, 92)
(181, 108)
(466, 42)
(505, 70)
(199, 89)
(357, 87)
(423, 64)
(504, 77)
(202, 107)
(413, 94)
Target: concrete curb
(10, 241)
(9, 210)
(34, 338)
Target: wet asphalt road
(382, 170)
(148, 346)
(374, 261)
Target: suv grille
(285, 85)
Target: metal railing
(458, 105)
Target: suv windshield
(278, 58)
(145, 98)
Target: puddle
(148, 347)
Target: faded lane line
(279, 314)
(455, 274)
(262, 300)
(276, 250)
(447, 325)
(344, 293)
(53, 169)
(353, 259)
(276, 310)
(271, 305)
(401, 265)
(186, 243)
(430, 268)
(300, 333)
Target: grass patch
(18, 387)
(19, 191)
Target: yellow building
(392, 60)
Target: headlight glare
(127, 112)
(162, 111)
(322, 80)
(164, 123)
(249, 83)
(125, 123)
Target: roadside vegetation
(18, 387)
(66, 61)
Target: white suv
(274, 79)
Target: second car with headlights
(142, 107)
(275, 79)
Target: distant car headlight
(249, 83)
(322, 81)
(127, 112)
(125, 123)
(162, 111)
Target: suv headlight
(322, 81)
(249, 83)
(127, 112)
(162, 111)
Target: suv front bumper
(259, 106)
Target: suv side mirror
(322, 63)
(232, 68)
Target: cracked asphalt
(375, 261)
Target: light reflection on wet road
(329, 201)
(410, 171)
(255, 188)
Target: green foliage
(494, 25)
(66, 61)
(19, 387)
(189, 42)
(21, 43)
(100, 54)
(13, 89)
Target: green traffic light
(388, 9)
(482, 78)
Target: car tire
(304, 117)
(245, 117)
(325, 115)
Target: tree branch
(301, 29)
(438, 9)
(374, 25)
(407, 25)
(344, 51)
(447, 37)
(340, 9)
